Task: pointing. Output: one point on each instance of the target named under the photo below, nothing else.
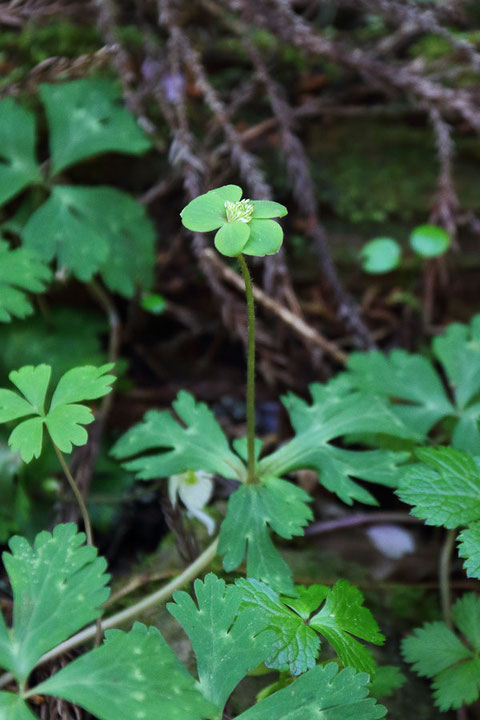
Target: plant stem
(162, 595)
(250, 370)
(444, 576)
(78, 495)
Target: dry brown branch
(279, 17)
(445, 206)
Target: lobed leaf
(344, 616)
(64, 419)
(58, 587)
(20, 271)
(416, 390)
(199, 444)
(227, 644)
(18, 166)
(437, 652)
(252, 509)
(337, 411)
(323, 692)
(95, 229)
(469, 548)
(444, 489)
(296, 646)
(132, 676)
(87, 117)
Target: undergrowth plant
(52, 231)
(444, 489)
(359, 427)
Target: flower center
(240, 211)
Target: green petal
(231, 238)
(233, 193)
(268, 209)
(265, 238)
(205, 213)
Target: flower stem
(251, 478)
(78, 495)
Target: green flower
(244, 226)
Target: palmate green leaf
(12, 707)
(458, 349)
(337, 411)
(132, 676)
(227, 644)
(198, 444)
(95, 229)
(18, 167)
(63, 228)
(324, 693)
(296, 646)
(87, 117)
(252, 510)
(444, 489)
(340, 617)
(64, 419)
(58, 587)
(421, 400)
(436, 652)
(418, 395)
(20, 271)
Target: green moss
(385, 171)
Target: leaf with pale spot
(324, 693)
(132, 676)
(227, 644)
(58, 587)
(87, 117)
(93, 230)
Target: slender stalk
(86, 521)
(78, 495)
(159, 596)
(444, 576)
(250, 370)
(110, 311)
